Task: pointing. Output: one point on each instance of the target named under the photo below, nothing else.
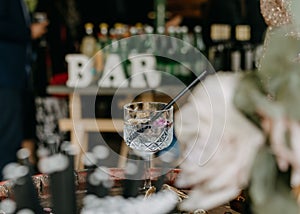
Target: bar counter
(41, 182)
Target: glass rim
(126, 106)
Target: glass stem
(148, 183)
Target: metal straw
(169, 104)
(180, 94)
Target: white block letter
(143, 73)
(79, 70)
(113, 73)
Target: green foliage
(273, 91)
(279, 72)
(295, 8)
(269, 190)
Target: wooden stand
(79, 127)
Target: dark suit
(14, 46)
(14, 38)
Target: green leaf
(269, 190)
(279, 72)
(295, 8)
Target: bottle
(235, 59)
(140, 32)
(119, 30)
(149, 43)
(161, 49)
(198, 39)
(160, 14)
(25, 193)
(242, 37)
(199, 60)
(102, 50)
(103, 38)
(140, 28)
(114, 44)
(173, 50)
(122, 46)
(89, 43)
(185, 56)
(185, 38)
(219, 51)
(118, 37)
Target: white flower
(219, 143)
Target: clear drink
(152, 138)
(148, 128)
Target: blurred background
(228, 33)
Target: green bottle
(160, 11)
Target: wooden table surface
(222, 210)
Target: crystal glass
(148, 128)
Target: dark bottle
(149, 42)
(103, 37)
(242, 52)
(172, 66)
(186, 56)
(199, 55)
(161, 49)
(219, 51)
(134, 172)
(198, 39)
(62, 183)
(25, 193)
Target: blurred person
(16, 34)
(62, 37)
(48, 59)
